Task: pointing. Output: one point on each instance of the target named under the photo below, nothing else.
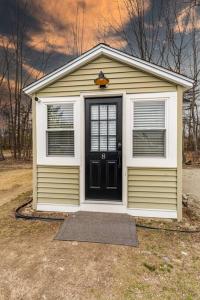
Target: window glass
(149, 133)
(103, 127)
(60, 129)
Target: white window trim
(41, 129)
(170, 159)
(58, 129)
(149, 128)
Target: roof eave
(178, 79)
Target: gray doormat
(105, 228)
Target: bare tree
(77, 37)
(193, 95)
(176, 37)
(17, 74)
(142, 30)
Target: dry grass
(13, 183)
(34, 266)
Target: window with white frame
(60, 129)
(149, 128)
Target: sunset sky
(61, 28)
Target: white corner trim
(113, 53)
(152, 213)
(108, 208)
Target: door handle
(103, 156)
(119, 146)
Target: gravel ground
(191, 182)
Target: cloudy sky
(60, 29)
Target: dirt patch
(9, 163)
(13, 183)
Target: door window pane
(103, 143)
(94, 112)
(112, 111)
(94, 128)
(112, 128)
(103, 127)
(112, 143)
(94, 143)
(103, 112)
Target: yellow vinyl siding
(121, 76)
(58, 185)
(148, 188)
(152, 188)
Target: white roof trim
(113, 53)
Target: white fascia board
(113, 53)
(151, 68)
(64, 70)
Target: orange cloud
(185, 24)
(32, 72)
(6, 43)
(68, 24)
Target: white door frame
(82, 165)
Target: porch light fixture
(102, 81)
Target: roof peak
(116, 54)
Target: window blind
(149, 114)
(149, 143)
(60, 129)
(149, 132)
(60, 116)
(61, 143)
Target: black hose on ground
(167, 229)
(19, 215)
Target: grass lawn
(34, 266)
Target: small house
(107, 136)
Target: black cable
(19, 215)
(167, 229)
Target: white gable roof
(112, 53)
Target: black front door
(103, 148)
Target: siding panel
(132, 90)
(58, 185)
(152, 188)
(121, 76)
